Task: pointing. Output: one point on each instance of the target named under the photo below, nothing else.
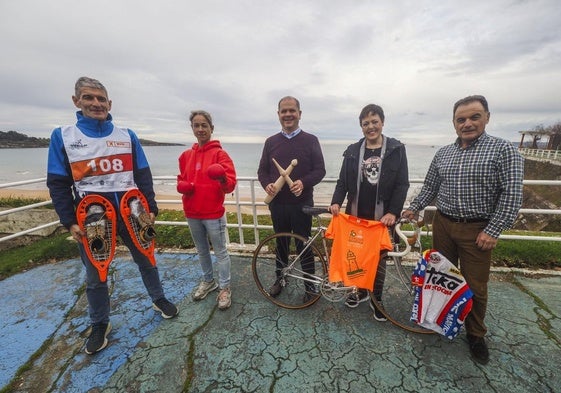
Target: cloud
(159, 60)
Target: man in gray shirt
(477, 183)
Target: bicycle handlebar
(409, 241)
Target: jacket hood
(213, 144)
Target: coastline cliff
(540, 196)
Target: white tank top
(99, 164)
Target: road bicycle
(300, 266)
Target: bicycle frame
(293, 271)
(337, 291)
(312, 278)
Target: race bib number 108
(101, 166)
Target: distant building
(552, 137)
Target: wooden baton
(282, 178)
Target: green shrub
(12, 202)
(527, 254)
(511, 253)
(171, 236)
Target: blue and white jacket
(61, 183)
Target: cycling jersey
(442, 297)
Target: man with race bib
(94, 158)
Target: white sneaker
(224, 298)
(204, 289)
(355, 298)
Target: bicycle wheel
(398, 293)
(297, 266)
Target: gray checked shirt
(483, 181)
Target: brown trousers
(456, 241)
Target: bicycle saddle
(314, 211)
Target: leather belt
(461, 220)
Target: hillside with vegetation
(13, 139)
(16, 140)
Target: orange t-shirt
(355, 252)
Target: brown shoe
(478, 349)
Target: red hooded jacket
(203, 197)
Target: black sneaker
(165, 307)
(310, 293)
(98, 338)
(355, 298)
(378, 315)
(478, 349)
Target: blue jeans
(215, 230)
(97, 292)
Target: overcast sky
(237, 58)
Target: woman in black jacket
(374, 178)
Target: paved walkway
(257, 347)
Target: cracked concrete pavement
(256, 346)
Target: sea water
(25, 164)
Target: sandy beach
(44, 194)
(160, 197)
(19, 193)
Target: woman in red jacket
(206, 174)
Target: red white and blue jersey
(442, 296)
